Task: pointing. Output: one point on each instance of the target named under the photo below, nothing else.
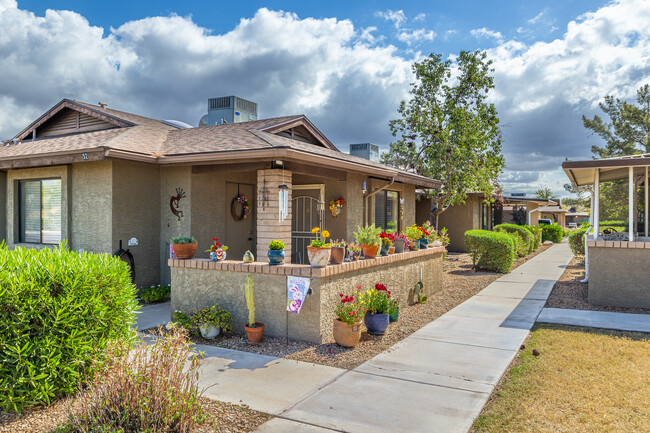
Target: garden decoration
(217, 251)
(368, 237)
(248, 257)
(212, 321)
(318, 251)
(297, 289)
(378, 304)
(254, 330)
(184, 246)
(174, 202)
(336, 206)
(338, 252)
(276, 253)
(347, 324)
(419, 290)
(354, 251)
(245, 207)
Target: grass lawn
(584, 380)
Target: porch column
(645, 189)
(596, 209)
(630, 212)
(269, 226)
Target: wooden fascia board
(49, 159)
(66, 103)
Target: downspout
(365, 203)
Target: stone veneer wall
(268, 225)
(200, 283)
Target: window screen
(40, 211)
(387, 210)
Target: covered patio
(616, 262)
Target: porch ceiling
(582, 173)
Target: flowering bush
(348, 311)
(415, 233)
(377, 300)
(319, 242)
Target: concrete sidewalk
(439, 378)
(596, 319)
(150, 316)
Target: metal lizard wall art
(173, 203)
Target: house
(103, 179)
(575, 218)
(616, 262)
(476, 214)
(554, 213)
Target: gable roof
(129, 136)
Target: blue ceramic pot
(384, 252)
(395, 316)
(424, 243)
(276, 257)
(376, 323)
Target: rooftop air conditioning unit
(229, 109)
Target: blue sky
(346, 65)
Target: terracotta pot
(338, 254)
(185, 251)
(255, 334)
(319, 257)
(370, 251)
(391, 250)
(346, 335)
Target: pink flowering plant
(348, 310)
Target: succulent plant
(250, 301)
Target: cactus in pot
(254, 330)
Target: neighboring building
(575, 218)
(554, 213)
(100, 178)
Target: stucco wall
(136, 213)
(13, 176)
(333, 190)
(619, 277)
(422, 211)
(534, 216)
(193, 289)
(458, 219)
(354, 209)
(91, 206)
(3, 206)
(172, 178)
(407, 192)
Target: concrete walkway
(152, 315)
(439, 378)
(596, 319)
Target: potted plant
(393, 310)
(212, 320)
(338, 252)
(400, 242)
(347, 324)
(354, 251)
(217, 251)
(254, 330)
(377, 304)
(276, 253)
(184, 246)
(318, 251)
(368, 237)
(386, 243)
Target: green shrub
(553, 233)
(182, 240)
(577, 242)
(525, 241)
(58, 311)
(492, 251)
(142, 388)
(276, 245)
(537, 236)
(153, 294)
(215, 316)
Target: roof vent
(229, 109)
(102, 104)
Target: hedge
(58, 310)
(525, 241)
(577, 242)
(537, 235)
(492, 251)
(552, 232)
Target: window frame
(385, 195)
(19, 207)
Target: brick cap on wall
(302, 270)
(617, 244)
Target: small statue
(248, 257)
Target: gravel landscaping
(460, 283)
(221, 418)
(570, 293)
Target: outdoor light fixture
(363, 188)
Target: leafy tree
(447, 130)
(544, 192)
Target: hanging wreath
(336, 206)
(245, 207)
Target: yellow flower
(326, 234)
(315, 229)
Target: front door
(239, 234)
(307, 212)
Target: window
(387, 210)
(40, 211)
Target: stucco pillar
(269, 226)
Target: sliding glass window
(40, 211)
(387, 210)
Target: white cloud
(485, 33)
(397, 17)
(537, 17)
(420, 17)
(414, 36)
(449, 33)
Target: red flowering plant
(387, 239)
(377, 300)
(348, 310)
(216, 246)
